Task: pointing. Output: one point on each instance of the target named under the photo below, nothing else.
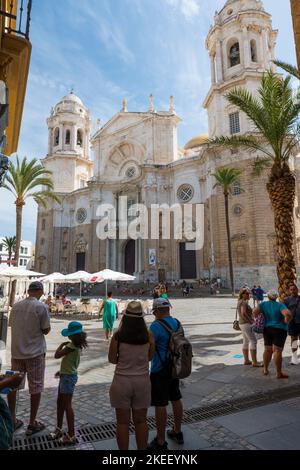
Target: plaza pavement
(218, 375)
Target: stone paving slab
(260, 419)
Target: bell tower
(241, 46)
(69, 127)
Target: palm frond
(291, 69)
(24, 176)
(226, 178)
(240, 141)
(260, 164)
(43, 197)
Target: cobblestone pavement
(218, 370)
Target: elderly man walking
(30, 322)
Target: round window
(81, 215)
(185, 193)
(130, 172)
(237, 210)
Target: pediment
(120, 122)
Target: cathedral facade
(136, 154)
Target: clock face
(81, 215)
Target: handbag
(259, 324)
(236, 323)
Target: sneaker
(154, 445)
(175, 436)
(294, 360)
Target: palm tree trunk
(282, 192)
(229, 242)
(19, 213)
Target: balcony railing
(18, 23)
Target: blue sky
(110, 49)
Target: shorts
(294, 330)
(35, 370)
(67, 384)
(130, 392)
(275, 337)
(164, 389)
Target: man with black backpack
(172, 361)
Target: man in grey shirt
(293, 304)
(30, 322)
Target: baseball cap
(35, 286)
(160, 303)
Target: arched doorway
(188, 262)
(130, 257)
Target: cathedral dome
(72, 97)
(196, 141)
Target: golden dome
(196, 141)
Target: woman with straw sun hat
(131, 349)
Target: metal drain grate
(108, 430)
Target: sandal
(18, 424)
(257, 365)
(34, 429)
(67, 440)
(266, 372)
(57, 434)
(282, 376)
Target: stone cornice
(68, 157)
(232, 82)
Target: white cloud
(189, 8)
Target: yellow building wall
(295, 4)
(15, 53)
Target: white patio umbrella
(54, 278)
(12, 273)
(77, 277)
(17, 273)
(109, 275)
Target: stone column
(107, 254)
(50, 141)
(86, 144)
(63, 137)
(213, 69)
(219, 61)
(247, 53)
(74, 138)
(61, 130)
(266, 51)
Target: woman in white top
(131, 349)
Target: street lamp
(3, 167)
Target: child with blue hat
(69, 352)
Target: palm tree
(274, 112)
(226, 179)
(27, 179)
(10, 245)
